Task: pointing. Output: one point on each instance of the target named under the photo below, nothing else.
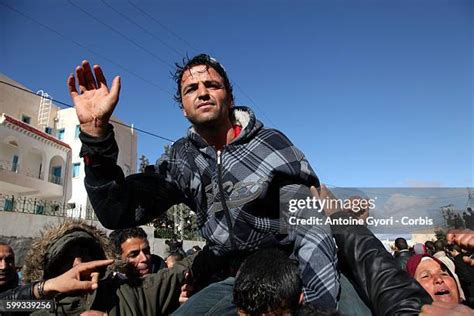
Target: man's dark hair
(430, 247)
(119, 236)
(308, 309)
(439, 245)
(201, 59)
(401, 243)
(267, 281)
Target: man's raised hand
(94, 102)
(82, 277)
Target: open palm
(94, 102)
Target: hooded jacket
(235, 193)
(157, 294)
(53, 240)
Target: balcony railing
(11, 203)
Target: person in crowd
(435, 277)
(430, 247)
(234, 194)
(440, 254)
(64, 247)
(438, 281)
(268, 282)
(193, 250)
(465, 273)
(402, 253)
(174, 246)
(173, 258)
(132, 246)
(469, 218)
(419, 249)
(8, 275)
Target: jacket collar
(240, 115)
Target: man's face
(136, 252)
(205, 99)
(7, 264)
(438, 283)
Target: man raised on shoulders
(228, 169)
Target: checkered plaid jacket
(235, 193)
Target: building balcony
(11, 181)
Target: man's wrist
(94, 129)
(48, 289)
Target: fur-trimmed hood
(38, 255)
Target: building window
(55, 176)
(15, 160)
(76, 168)
(61, 134)
(78, 130)
(48, 130)
(26, 119)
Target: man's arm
(82, 277)
(118, 202)
(463, 238)
(388, 289)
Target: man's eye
(189, 90)
(215, 85)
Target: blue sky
(375, 93)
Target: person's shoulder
(269, 132)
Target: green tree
(143, 163)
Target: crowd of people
(455, 282)
(457, 221)
(231, 171)
(82, 269)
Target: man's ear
(184, 111)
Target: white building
(40, 167)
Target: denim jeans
(216, 299)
